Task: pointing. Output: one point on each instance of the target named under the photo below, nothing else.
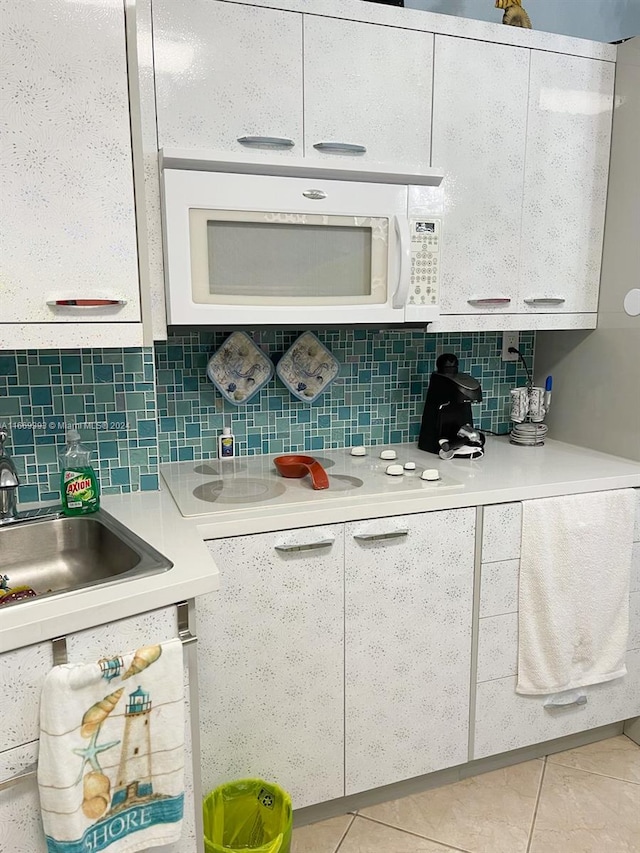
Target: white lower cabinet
(409, 598)
(20, 823)
(270, 661)
(23, 674)
(504, 719)
(273, 643)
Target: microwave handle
(401, 225)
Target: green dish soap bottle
(79, 484)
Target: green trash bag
(247, 815)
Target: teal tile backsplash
(138, 407)
(109, 394)
(377, 398)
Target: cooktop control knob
(409, 466)
(388, 454)
(358, 451)
(430, 474)
(395, 470)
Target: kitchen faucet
(9, 483)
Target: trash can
(249, 814)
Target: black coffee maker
(447, 421)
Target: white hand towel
(111, 763)
(575, 570)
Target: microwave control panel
(425, 261)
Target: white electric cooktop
(209, 486)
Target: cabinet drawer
(498, 647)
(499, 588)
(506, 720)
(24, 670)
(125, 635)
(20, 823)
(23, 674)
(501, 532)
(498, 642)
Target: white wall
(600, 20)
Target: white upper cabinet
(479, 131)
(565, 191)
(367, 87)
(237, 78)
(227, 72)
(68, 227)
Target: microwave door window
(292, 262)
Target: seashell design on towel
(96, 794)
(98, 713)
(143, 658)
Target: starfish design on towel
(90, 753)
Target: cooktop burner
(240, 490)
(236, 485)
(344, 483)
(212, 469)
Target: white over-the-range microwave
(256, 250)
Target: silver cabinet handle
(310, 546)
(24, 775)
(373, 537)
(266, 141)
(316, 195)
(550, 300)
(346, 147)
(554, 705)
(498, 300)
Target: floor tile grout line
(346, 832)
(537, 805)
(415, 834)
(594, 773)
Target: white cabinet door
(566, 172)
(368, 86)
(226, 72)
(68, 229)
(20, 823)
(22, 674)
(479, 129)
(409, 598)
(270, 663)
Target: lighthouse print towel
(111, 764)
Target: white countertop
(505, 473)
(155, 518)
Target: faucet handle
(4, 435)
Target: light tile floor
(585, 800)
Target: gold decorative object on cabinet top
(514, 14)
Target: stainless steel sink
(56, 554)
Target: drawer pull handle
(310, 546)
(266, 141)
(23, 776)
(345, 147)
(548, 300)
(374, 537)
(556, 704)
(85, 303)
(497, 300)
